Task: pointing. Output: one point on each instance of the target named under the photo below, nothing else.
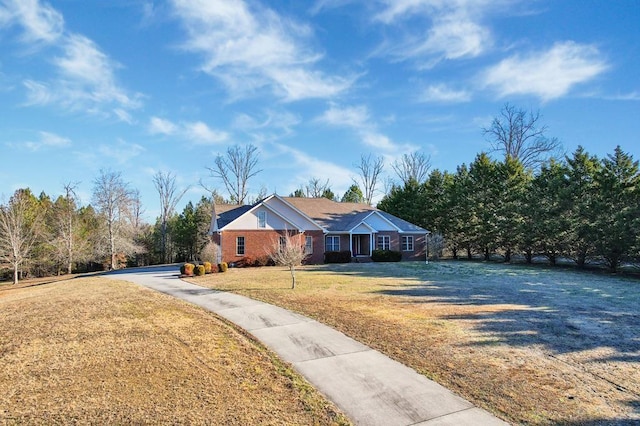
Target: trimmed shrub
(386, 256)
(183, 270)
(199, 271)
(214, 268)
(337, 256)
(223, 267)
(188, 268)
(207, 267)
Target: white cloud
(358, 119)
(547, 74)
(45, 140)
(201, 134)
(161, 126)
(340, 178)
(455, 28)
(121, 151)
(253, 50)
(196, 131)
(40, 22)
(443, 93)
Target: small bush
(245, 262)
(188, 268)
(337, 257)
(199, 271)
(207, 267)
(223, 267)
(386, 256)
(264, 261)
(183, 270)
(214, 268)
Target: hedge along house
(321, 224)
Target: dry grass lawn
(532, 345)
(97, 351)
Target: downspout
(426, 246)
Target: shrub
(210, 252)
(188, 268)
(245, 262)
(264, 261)
(199, 271)
(214, 268)
(223, 267)
(183, 270)
(386, 256)
(337, 257)
(207, 267)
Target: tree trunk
(15, 274)
(486, 254)
(528, 254)
(293, 277)
(507, 256)
(469, 253)
(454, 251)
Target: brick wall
(259, 243)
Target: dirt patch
(532, 345)
(100, 351)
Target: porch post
(351, 244)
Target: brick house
(321, 224)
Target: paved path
(370, 388)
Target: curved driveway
(370, 388)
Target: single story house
(252, 230)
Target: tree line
(581, 207)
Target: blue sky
(141, 86)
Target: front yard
(532, 345)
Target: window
(283, 242)
(240, 246)
(407, 243)
(308, 245)
(262, 219)
(384, 242)
(333, 243)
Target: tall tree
(112, 197)
(485, 200)
(170, 196)
(353, 195)
(618, 208)
(65, 226)
(18, 230)
(235, 169)
(369, 172)
(414, 166)
(518, 134)
(582, 170)
(315, 188)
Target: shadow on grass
(565, 311)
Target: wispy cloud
(84, 75)
(358, 119)
(45, 141)
(547, 74)
(454, 29)
(121, 152)
(251, 50)
(310, 167)
(197, 132)
(40, 22)
(445, 94)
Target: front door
(360, 245)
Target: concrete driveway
(369, 387)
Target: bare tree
(316, 188)
(519, 135)
(289, 251)
(414, 166)
(235, 169)
(170, 196)
(370, 170)
(65, 228)
(112, 197)
(18, 231)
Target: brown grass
(490, 340)
(98, 351)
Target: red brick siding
(259, 243)
(418, 252)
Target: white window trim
(308, 244)
(385, 239)
(409, 243)
(244, 245)
(332, 237)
